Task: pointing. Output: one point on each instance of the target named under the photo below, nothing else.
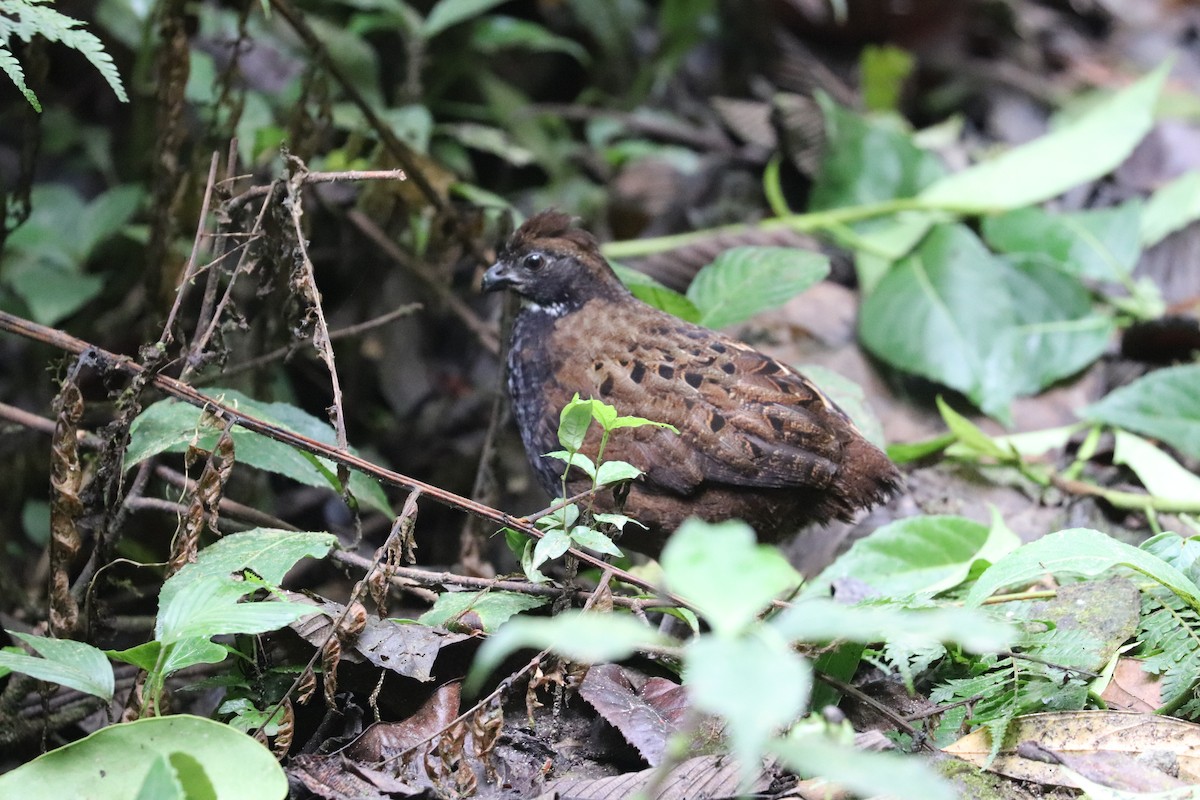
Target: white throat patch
(553, 310)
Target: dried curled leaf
(66, 477)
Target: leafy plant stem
(1086, 451)
(1130, 500)
(812, 222)
(1039, 594)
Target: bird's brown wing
(744, 419)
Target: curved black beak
(498, 276)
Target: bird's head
(553, 265)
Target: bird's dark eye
(533, 262)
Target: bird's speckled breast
(531, 366)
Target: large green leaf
(1078, 551)
(268, 552)
(1170, 208)
(868, 161)
(917, 555)
(113, 763)
(204, 599)
(1102, 244)
(756, 683)
(991, 328)
(743, 281)
(209, 606)
(51, 293)
(75, 665)
(726, 576)
(654, 293)
(1164, 404)
(1162, 475)
(866, 774)
(820, 620)
(169, 426)
(1082, 150)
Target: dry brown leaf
(1170, 745)
(408, 650)
(710, 777)
(1132, 688)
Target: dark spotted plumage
(757, 441)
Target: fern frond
(1008, 686)
(905, 660)
(28, 18)
(12, 68)
(1170, 644)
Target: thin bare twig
(423, 577)
(334, 335)
(487, 334)
(321, 177)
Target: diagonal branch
(181, 391)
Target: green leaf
(594, 540)
(1162, 475)
(1078, 551)
(562, 517)
(905, 452)
(106, 215)
(969, 434)
(268, 552)
(573, 422)
(743, 281)
(161, 781)
(76, 665)
(1028, 444)
(637, 422)
(574, 460)
(1164, 404)
(209, 607)
(1037, 326)
(586, 637)
(615, 472)
(448, 13)
(53, 294)
(819, 620)
(493, 608)
(1171, 208)
(1103, 243)
(726, 576)
(1181, 553)
(604, 414)
(550, 547)
(143, 656)
(757, 684)
(652, 292)
(171, 425)
(487, 139)
(356, 58)
(235, 767)
(496, 33)
(1082, 150)
(884, 69)
(916, 555)
(12, 68)
(203, 599)
(862, 772)
(868, 161)
(618, 521)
